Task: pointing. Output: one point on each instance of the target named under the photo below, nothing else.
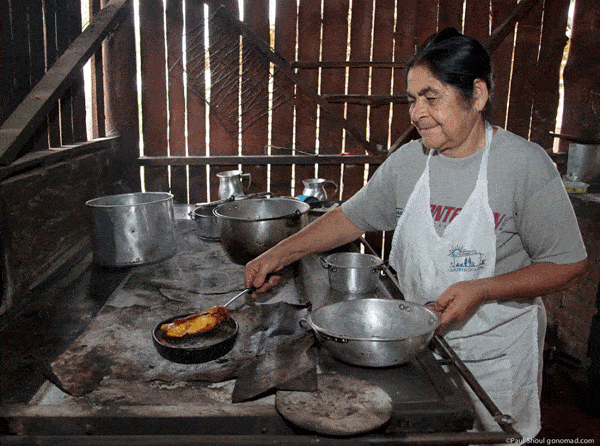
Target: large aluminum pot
(373, 332)
(353, 272)
(250, 227)
(133, 229)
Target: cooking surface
(118, 374)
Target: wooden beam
(500, 33)
(23, 122)
(366, 99)
(258, 160)
(313, 64)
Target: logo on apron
(465, 260)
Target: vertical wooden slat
(77, 86)
(546, 99)
(154, 95)
(477, 19)
(63, 40)
(39, 140)
(221, 142)
(358, 82)
(451, 12)
(51, 57)
(523, 76)
(405, 44)
(174, 23)
(5, 73)
(502, 62)
(283, 116)
(122, 113)
(426, 19)
(381, 78)
(196, 106)
(97, 87)
(255, 137)
(309, 29)
(335, 34)
(582, 92)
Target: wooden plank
(21, 124)
(477, 19)
(221, 142)
(309, 29)
(381, 80)
(77, 86)
(63, 40)
(177, 144)
(283, 116)
(256, 137)
(154, 94)
(358, 83)
(326, 64)
(451, 14)
(53, 116)
(502, 60)
(523, 77)
(335, 36)
(546, 99)
(5, 73)
(280, 160)
(35, 9)
(405, 44)
(196, 106)
(97, 80)
(582, 93)
(122, 102)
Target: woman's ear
(481, 94)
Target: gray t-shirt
(535, 221)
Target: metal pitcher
(315, 187)
(231, 183)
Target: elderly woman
(483, 226)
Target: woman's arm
(329, 231)
(462, 299)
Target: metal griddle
(430, 404)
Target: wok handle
(309, 326)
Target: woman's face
(445, 120)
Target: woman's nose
(417, 110)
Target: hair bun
(447, 33)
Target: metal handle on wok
(504, 421)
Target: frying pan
(202, 347)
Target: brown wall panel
(154, 94)
(582, 87)
(334, 45)
(177, 143)
(524, 69)
(283, 116)
(196, 107)
(309, 28)
(546, 99)
(502, 62)
(255, 138)
(477, 23)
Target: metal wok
(373, 332)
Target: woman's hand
(258, 269)
(460, 301)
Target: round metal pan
(199, 348)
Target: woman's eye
(431, 99)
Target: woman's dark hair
(456, 60)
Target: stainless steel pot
(208, 223)
(373, 332)
(250, 227)
(353, 272)
(133, 229)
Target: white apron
(500, 343)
